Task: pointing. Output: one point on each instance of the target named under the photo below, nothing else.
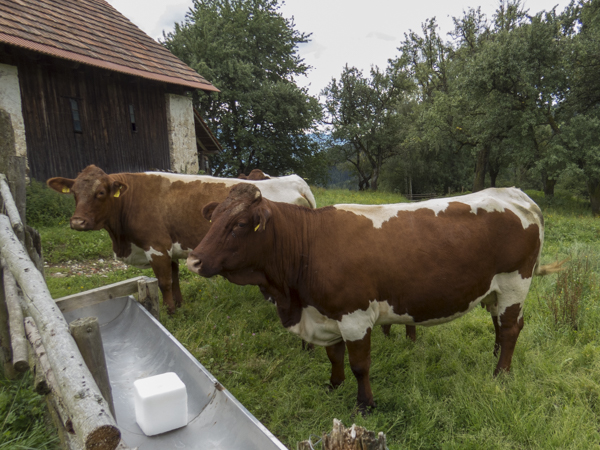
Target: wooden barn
(80, 84)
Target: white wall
(182, 134)
(10, 101)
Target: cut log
(9, 370)
(11, 209)
(90, 414)
(47, 385)
(18, 341)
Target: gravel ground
(83, 268)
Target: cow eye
(242, 224)
(101, 194)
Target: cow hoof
(332, 386)
(307, 346)
(363, 410)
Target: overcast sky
(357, 33)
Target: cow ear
(117, 188)
(262, 214)
(62, 185)
(208, 210)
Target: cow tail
(548, 269)
(310, 198)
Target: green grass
(23, 417)
(437, 393)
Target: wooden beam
(148, 296)
(98, 295)
(86, 333)
(92, 421)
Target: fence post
(148, 296)
(86, 333)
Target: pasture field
(437, 393)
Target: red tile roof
(92, 32)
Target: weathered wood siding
(106, 138)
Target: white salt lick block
(160, 403)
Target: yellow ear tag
(118, 193)
(66, 190)
(257, 227)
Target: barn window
(132, 118)
(75, 114)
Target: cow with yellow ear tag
(154, 218)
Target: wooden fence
(35, 336)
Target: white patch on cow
(318, 329)
(512, 289)
(176, 252)
(136, 258)
(151, 252)
(141, 258)
(314, 327)
(288, 189)
(489, 200)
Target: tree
(248, 50)
(362, 114)
(580, 132)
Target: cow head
(95, 194)
(237, 235)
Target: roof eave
(52, 51)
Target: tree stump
(353, 438)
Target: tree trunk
(493, 171)
(480, 168)
(374, 180)
(548, 185)
(594, 190)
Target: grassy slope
(435, 393)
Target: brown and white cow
(154, 218)
(338, 271)
(255, 174)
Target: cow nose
(193, 263)
(77, 223)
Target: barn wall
(10, 101)
(13, 149)
(107, 137)
(182, 134)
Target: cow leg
(359, 353)
(497, 332)
(510, 325)
(411, 332)
(336, 354)
(161, 265)
(176, 290)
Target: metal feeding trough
(137, 346)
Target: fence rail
(82, 415)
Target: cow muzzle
(196, 265)
(80, 224)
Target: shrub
(572, 285)
(46, 207)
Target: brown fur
(425, 265)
